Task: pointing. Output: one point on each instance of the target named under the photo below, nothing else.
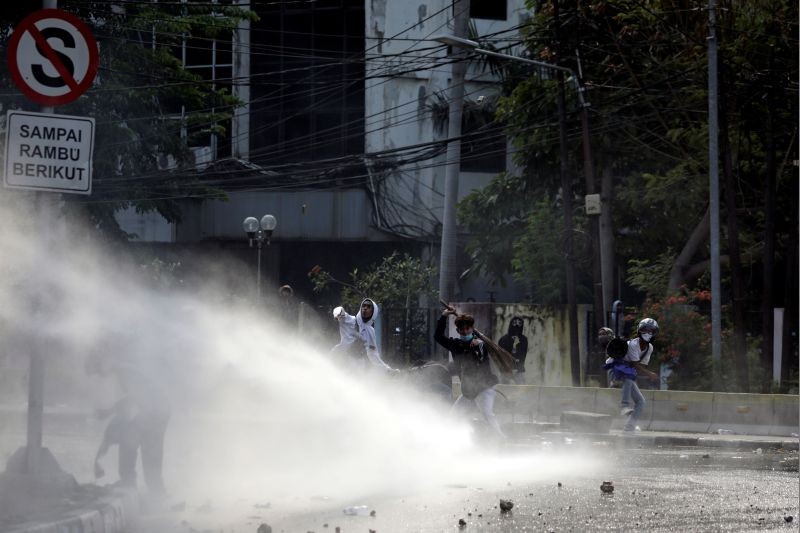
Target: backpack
(617, 348)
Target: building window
(488, 9)
(307, 81)
(212, 61)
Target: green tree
(147, 107)
(645, 67)
(398, 281)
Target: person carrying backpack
(625, 361)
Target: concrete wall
(702, 412)
(547, 329)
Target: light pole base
(18, 485)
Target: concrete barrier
(520, 402)
(607, 401)
(555, 400)
(584, 422)
(750, 414)
(681, 411)
(691, 411)
(786, 415)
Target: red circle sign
(52, 56)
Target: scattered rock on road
(607, 487)
(462, 523)
(788, 519)
(506, 505)
(264, 528)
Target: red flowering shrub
(684, 338)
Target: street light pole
(447, 257)
(259, 232)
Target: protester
(515, 343)
(471, 361)
(359, 330)
(604, 336)
(145, 387)
(122, 432)
(626, 369)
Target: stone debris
(506, 505)
(338, 529)
(462, 523)
(559, 484)
(372, 513)
(607, 487)
(264, 528)
(788, 519)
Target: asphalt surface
(662, 482)
(672, 489)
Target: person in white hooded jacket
(362, 328)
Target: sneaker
(625, 411)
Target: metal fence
(407, 334)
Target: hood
(515, 326)
(371, 321)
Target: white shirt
(635, 353)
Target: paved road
(674, 490)
(656, 489)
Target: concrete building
(340, 138)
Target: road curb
(734, 442)
(110, 514)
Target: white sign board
(47, 152)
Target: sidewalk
(522, 431)
(708, 440)
(87, 509)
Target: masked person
(361, 328)
(515, 343)
(471, 361)
(626, 369)
(604, 336)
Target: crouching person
(626, 369)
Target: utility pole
(566, 201)
(447, 260)
(601, 291)
(713, 190)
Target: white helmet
(648, 324)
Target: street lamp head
(250, 226)
(268, 223)
(452, 40)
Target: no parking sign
(52, 57)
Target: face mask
(647, 336)
(466, 338)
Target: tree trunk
(607, 233)
(734, 255)
(684, 260)
(790, 295)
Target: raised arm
(441, 326)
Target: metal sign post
(53, 59)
